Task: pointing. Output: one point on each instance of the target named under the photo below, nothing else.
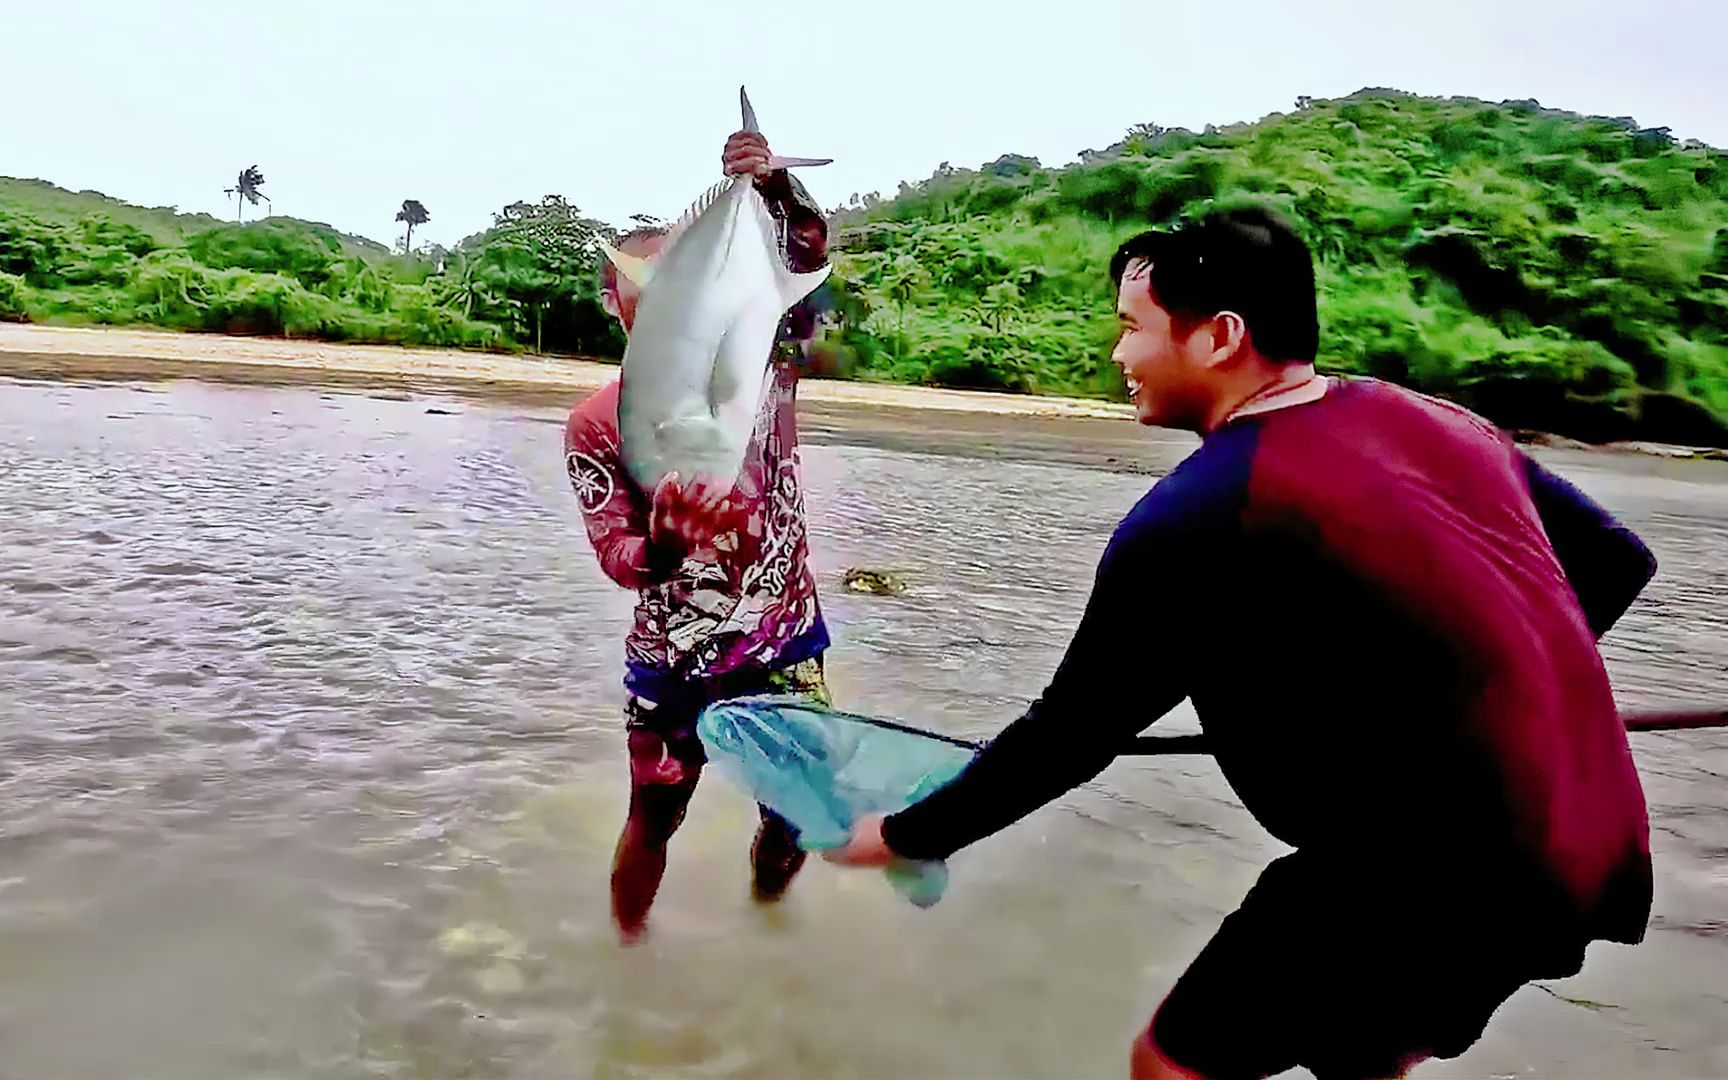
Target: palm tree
(459, 284)
(414, 214)
(246, 187)
(1141, 139)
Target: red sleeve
(804, 241)
(613, 511)
(805, 225)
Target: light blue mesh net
(822, 769)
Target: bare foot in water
(775, 859)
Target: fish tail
(749, 113)
(776, 161)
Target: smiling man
(1386, 617)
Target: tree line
(1555, 271)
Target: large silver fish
(696, 365)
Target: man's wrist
(666, 550)
(775, 185)
(892, 826)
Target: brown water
(310, 765)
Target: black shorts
(1349, 973)
(668, 730)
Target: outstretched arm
(803, 226)
(1122, 671)
(1605, 562)
(806, 225)
(1129, 663)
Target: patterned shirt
(747, 600)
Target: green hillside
(1554, 271)
(50, 204)
(82, 257)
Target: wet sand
(991, 426)
(100, 353)
(891, 416)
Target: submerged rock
(875, 582)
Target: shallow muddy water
(311, 765)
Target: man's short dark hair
(1248, 260)
(608, 272)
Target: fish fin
(749, 113)
(634, 267)
(778, 162)
(722, 388)
(694, 211)
(733, 402)
(795, 287)
(695, 441)
(775, 162)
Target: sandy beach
(1052, 430)
(1056, 430)
(98, 353)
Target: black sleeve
(1605, 562)
(1122, 671)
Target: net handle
(1640, 720)
(1160, 745)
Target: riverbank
(30, 351)
(1066, 430)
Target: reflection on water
(310, 765)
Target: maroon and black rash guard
(1386, 617)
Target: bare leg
(660, 790)
(775, 857)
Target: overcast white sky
(349, 107)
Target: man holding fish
(686, 469)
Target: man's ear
(609, 301)
(1228, 331)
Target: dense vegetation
(1555, 271)
(528, 281)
